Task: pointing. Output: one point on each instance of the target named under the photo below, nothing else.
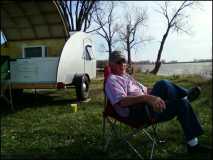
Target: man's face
(118, 68)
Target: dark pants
(176, 105)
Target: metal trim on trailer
(34, 85)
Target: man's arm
(156, 102)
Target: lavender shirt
(117, 87)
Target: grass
(43, 127)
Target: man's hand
(149, 90)
(157, 103)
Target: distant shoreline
(102, 63)
(187, 62)
(175, 62)
(201, 68)
(171, 62)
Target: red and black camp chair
(111, 118)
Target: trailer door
(89, 59)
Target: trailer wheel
(82, 88)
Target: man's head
(117, 62)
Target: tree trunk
(158, 62)
(129, 65)
(156, 68)
(128, 54)
(110, 48)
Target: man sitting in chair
(165, 100)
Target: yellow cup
(74, 108)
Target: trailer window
(88, 53)
(33, 52)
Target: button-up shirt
(119, 86)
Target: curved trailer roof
(31, 20)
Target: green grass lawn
(43, 126)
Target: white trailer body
(75, 66)
(34, 70)
(77, 57)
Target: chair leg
(134, 149)
(127, 137)
(112, 129)
(106, 142)
(156, 135)
(126, 140)
(152, 151)
(115, 131)
(153, 139)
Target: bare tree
(105, 20)
(175, 21)
(127, 34)
(78, 14)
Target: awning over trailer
(32, 20)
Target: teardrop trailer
(76, 66)
(42, 53)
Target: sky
(178, 47)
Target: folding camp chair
(111, 117)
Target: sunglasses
(121, 62)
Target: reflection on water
(203, 68)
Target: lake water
(201, 68)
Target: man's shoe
(199, 149)
(193, 93)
